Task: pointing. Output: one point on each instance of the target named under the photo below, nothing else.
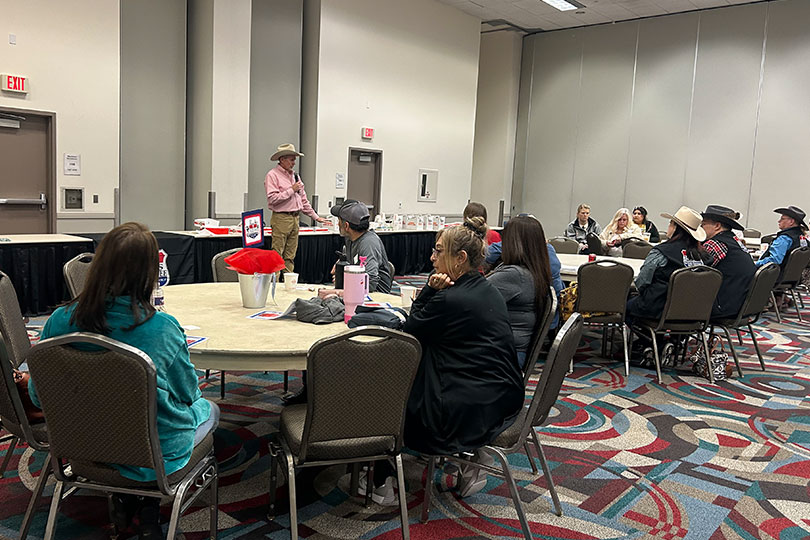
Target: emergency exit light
(14, 83)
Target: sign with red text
(14, 83)
(367, 133)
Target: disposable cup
(408, 295)
(290, 280)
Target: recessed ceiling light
(564, 5)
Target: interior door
(25, 175)
(364, 178)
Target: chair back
(603, 286)
(543, 326)
(75, 271)
(663, 236)
(219, 267)
(554, 372)
(768, 239)
(99, 397)
(690, 297)
(751, 233)
(12, 328)
(760, 291)
(636, 249)
(359, 383)
(392, 269)
(797, 261)
(561, 244)
(594, 244)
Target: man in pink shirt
(287, 200)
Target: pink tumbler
(355, 289)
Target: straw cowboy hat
(689, 220)
(285, 150)
(724, 215)
(794, 212)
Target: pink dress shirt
(280, 195)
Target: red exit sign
(14, 83)
(367, 133)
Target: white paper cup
(290, 280)
(646, 237)
(407, 294)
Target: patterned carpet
(631, 459)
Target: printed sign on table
(252, 228)
(194, 340)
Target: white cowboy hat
(689, 220)
(285, 150)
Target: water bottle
(157, 299)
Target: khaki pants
(285, 237)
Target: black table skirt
(35, 271)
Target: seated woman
(469, 387)
(620, 228)
(646, 226)
(523, 279)
(116, 303)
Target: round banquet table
(571, 263)
(237, 343)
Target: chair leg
(403, 496)
(431, 470)
(293, 502)
(53, 514)
(207, 373)
(286, 381)
(274, 463)
(529, 455)
(9, 453)
(174, 520)
(655, 355)
(214, 486)
(510, 481)
(626, 344)
(369, 483)
(708, 354)
(739, 337)
(776, 308)
(756, 346)
(796, 304)
(547, 473)
(733, 352)
(604, 340)
(222, 384)
(36, 496)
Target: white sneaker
(474, 479)
(383, 495)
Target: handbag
(33, 412)
(720, 366)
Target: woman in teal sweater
(116, 303)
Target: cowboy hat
(689, 220)
(285, 150)
(794, 212)
(724, 215)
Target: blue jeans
(209, 425)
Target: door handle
(42, 201)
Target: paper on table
(190, 327)
(194, 340)
(377, 304)
(269, 315)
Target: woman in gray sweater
(523, 279)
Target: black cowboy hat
(724, 215)
(793, 211)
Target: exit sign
(14, 83)
(367, 133)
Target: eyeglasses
(437, 252)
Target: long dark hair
(693, 248)
(125, 264)
(643, 213)
(524, 244)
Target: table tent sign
(253, 228)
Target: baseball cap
(352, 211)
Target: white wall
(70, 52)
(698, 108)
(409, 70)
(495, 120)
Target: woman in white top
(620, 228)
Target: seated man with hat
(361, 242)
(792, 229)
(727, 254)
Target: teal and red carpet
(631, 459)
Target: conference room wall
(699, 126)
(409, 70)
(495, 119)
(70, 53)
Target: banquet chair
(13, 348)
(101, 406)
(768, 239)
(751, 233)
(797, 261)
(221, 274)
(602, 287)
(634, 248)
(594, 244)
(562, 244)
(690, 297)
(75, 272)
(512, 439)
(754, 304)
(359, 383)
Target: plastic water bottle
(157, 299)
